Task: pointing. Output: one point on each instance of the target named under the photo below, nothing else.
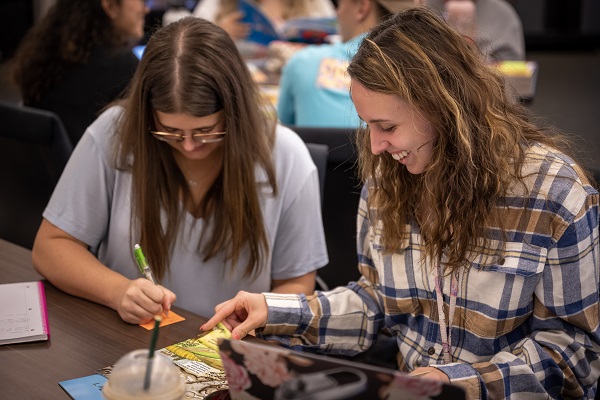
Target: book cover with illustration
(199, 362)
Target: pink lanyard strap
(446, 330)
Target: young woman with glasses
(192, 166)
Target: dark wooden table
(84, 337)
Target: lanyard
(446, 330)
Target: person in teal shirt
(314, 86)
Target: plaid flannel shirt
(526, 325)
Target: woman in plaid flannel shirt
(477, 233)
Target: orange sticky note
(166, 320)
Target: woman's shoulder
(104, 128)
(97, 143)
(545, 159)
(290, 150)
(288, 141)
(555, 176)
(108, 117)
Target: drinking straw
(157, 319)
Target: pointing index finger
(226, 310)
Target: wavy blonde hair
(479, 150)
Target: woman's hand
(242, 314)
(431, 373)
(141, 300)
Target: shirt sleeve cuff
(464, 376)
(285, 314)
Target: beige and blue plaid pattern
(527, 319)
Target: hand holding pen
(142, 263)
(168, 297)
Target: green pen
(141, 261)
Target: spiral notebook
(23, 314)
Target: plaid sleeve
(560, 357)
(344, 320)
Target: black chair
(340, 202)
(319, 153)
(34, 148)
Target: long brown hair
(193, 67)
(481, 137)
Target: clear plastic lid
(126, 380)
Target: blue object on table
(85, 388)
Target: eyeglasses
(196, 137)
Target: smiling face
(187, 125)
(395, 128)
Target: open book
(23, 314)
(199, 365)
(304, 30)
(198, 360)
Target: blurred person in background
(225, 13)
(314, 86)
(494, 25)
(78, 58)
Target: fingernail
(202, 327)
(236, 336)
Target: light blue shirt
(314, 87)
(92, 202)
